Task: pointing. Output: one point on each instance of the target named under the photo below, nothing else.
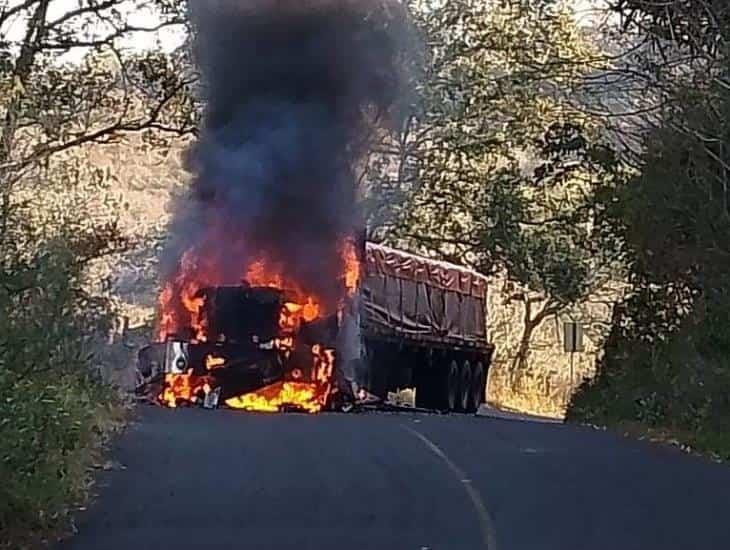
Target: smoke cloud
(294, 90)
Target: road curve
(218, 480)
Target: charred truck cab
(253, 340)
(410, 323)
(256, 342)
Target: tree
(666, 364)
(698, 26)
(69, 81)
(496, 168)
(50, 104)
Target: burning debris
(262, 347)
(263, 256)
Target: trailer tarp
(402, 265)
(423, 299)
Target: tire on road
(465, 387)
(440, 388)
(452, 386)
(478, 387)
(444, 388)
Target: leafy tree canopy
(496, 168)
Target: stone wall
(146, 177)
(543, 384)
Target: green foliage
(68, 82)
(54, 414)
(667, 365)
(678, 385)
(495, 168)
(52, 429)
(677, 212)
(51, 101)
(698, 26)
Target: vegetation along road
(223, 480)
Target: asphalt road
(215, 480)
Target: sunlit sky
(168, 38)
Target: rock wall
(146, 177)
(544, 384)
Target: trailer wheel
(465, 387)
(441, 388)
(478, 387)
(452, 386)
(425, 384)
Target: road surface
(215, 480)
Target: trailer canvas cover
(414, 297)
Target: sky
(587, 15)
(169, 38)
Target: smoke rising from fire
(294, 90)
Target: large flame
(186, 388)
(305, 396)
(310, 397)
(180, 305)
(181, 311)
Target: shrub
(54, 413)
(677, 386)
(51, 432)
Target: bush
(676, 387)
(54, 414)
(51, 432)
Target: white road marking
(486, 523)
(531, 451)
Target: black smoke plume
(294, 91)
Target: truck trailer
(412, 322)
(424, 325)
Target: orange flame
(183, 387)
(184, 288)
(277, 396)
(310, 311)
(310, 397)
(304, 307)
(182, 308)
(352, 267)
(212, 362)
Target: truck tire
(443, 387)
(478, 387)
(465, 387)
(452, 386)
(425, 384)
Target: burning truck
(269, 300)
(265, 345)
